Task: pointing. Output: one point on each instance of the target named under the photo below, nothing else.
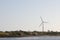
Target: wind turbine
(42, 24)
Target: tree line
(26, 33)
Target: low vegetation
(27, 33)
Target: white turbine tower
(42, 24)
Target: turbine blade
(41, 19)
(40, 24)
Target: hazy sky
(25, 15)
